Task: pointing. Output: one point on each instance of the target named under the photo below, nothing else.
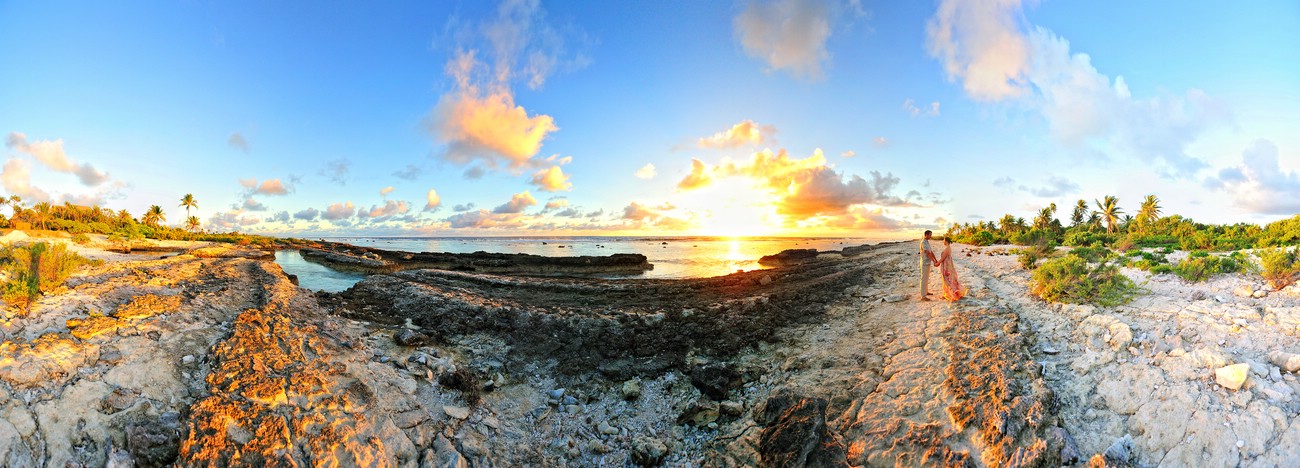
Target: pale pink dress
(952, 288)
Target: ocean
(673, 257)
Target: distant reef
(797, 256)
(371, 261)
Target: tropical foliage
(34, 270)
(1073, 279)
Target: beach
(213, 356)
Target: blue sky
(767, 117)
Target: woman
(952, 288)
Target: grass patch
(1200, 266)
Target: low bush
(1092, 254)
(1161, 269)
(1197, 268)
(81, 239)
(1280, 266)
(982, 239)
(1071, 279)
(35, 270)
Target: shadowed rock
(796, 433)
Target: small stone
(1121, 451)
(1241, 443)
(1260, 294)
(605, 428)
(712, 425)
(572, 409)
(732, 408)
(569, 400)
(556, 394)
(188, 359)
(1244, 290)
(765, 280)
(894, 298)
(631, 389)
(458, 412)
(648, 451)
(1232, 377)
(1048, 349)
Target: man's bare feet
(925, 297)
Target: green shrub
(80, 239)
(983, 239)
(1161, 269)
(1284, 232)
(125, 238)
(1081, 238)
(1280, 266)
(1092, 254)
(1199, 254)
(1070, 279)
(34, 270)
(1028, 259)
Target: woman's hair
(947, 240)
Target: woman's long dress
(952, 288)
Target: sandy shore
(220, 359)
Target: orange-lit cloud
(433, 201)
(489, 127)
(383, 192)
(699, 176)
(556, 204)
(388, 209)
(746, 133)
(552, 179)
(645, 216)
(339, 211)
(801, 188)
(267, 187)
(17, 180)
(517, 203)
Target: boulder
(1232, 377)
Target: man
(927, 259)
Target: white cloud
(389, 209)
(910, 106)
(1056, 187)
(848, 154)
(17, 180)
(51, 155)
(789, 35)
(383, 192)
(881, 142)
(556, 204)
(991, 49)
(267, 187)
(646, 172)
(1259, 184)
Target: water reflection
(314, 276)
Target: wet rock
(1232, 377)
(408, 337)
(648, 451)
(795, 432)
(788, 257)
(1289, 362)
(631, 389)
(716, 381)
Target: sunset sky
(787, 117)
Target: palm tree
(188, 202)
(1044, 219)
(1150, 210)
(123, 217)
(17, 203)
(154, 216)
(1110, 211)
(192, 223)
(43, 210)
(1080, 213)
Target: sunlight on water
(314, 276)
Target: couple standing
(952, 289)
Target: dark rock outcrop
(796, 433)
(372, 261)
(788, 257)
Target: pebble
(1241, 443)
(631, 389)
(557, 393)
(188, 359)
(605, 428)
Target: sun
(732, 208)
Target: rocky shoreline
(217, 358)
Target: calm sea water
(673, 257)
